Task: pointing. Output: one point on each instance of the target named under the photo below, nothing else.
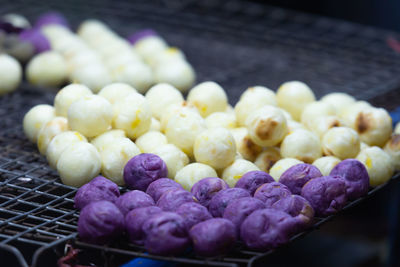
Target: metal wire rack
(237, 44)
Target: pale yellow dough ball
(268, 158)
(116, 92)
(321, 125)
(281, 166)
(350, 112)
(374, 125)
(315, 110)
(221, 119)
(397, 128)
(392, 148)
(133, 115)
(378, 164)
(49, 130)
(136, 74)
(208, 97)
(252, 99)
(338, 100)
(293, 125)
(150, 141)
(78, 164)
(161, 96)
(236, 170)
(326, 164)
(173, 157)
(114, 156)
(176, 109)
(59, 143)
(155, 125)
(192, 173)
(35, 118)
(294, 97)
(47, 69)
(91, 115)
(267, 126)
(94, 76)
(102, 140)
(341, 142)
(183, 128)
(215, 147)
(68, 95)
(150, 47)
(302, 145)
(10, 74)
(244, 145)
(178, 73)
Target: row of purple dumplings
(167, 219)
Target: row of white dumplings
(97, 56)
(256, 134)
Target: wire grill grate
(235, 43)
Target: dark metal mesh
(234, 43)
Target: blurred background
(346, 46)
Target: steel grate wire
(235, 43)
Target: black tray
(237, 44)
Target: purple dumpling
(134, 221)
(51, 18)
(326, 194)
(133, 200)
(221, 200)
(166, 234)
(141, 35)
(36, 38)
(298, 175)
(213, 237)
(206, 188)
(355, 175)
(238, 210)
(266, 229)
(172, 199)
(253, 179)
(272, 192)
(99, 188)
(100, 222)
(160, 186)
(143, 169)
(193, 213)
(298, 207)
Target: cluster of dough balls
(96, 56)
(203, 136)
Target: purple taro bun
(298, 207)
(355, 175)
(271, 193)
(143, 169)
(160, 186)
(36, 38)
(206, 188)
(141, 35)
(326, 194)
(213, 237)
(100, 222)
(99, 188)
(193, 213)
(172, 199)
(266, 229)
(298, 175)
(165, 234)
(238, 210)
(134, 221)
(133, 200)
(253, 179)
(221, 200)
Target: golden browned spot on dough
(306, 159)
(327, 152)
(334, 123)
(251, 149)
(265, 128)
(269, 161)
(394, 142)
(362, 122)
